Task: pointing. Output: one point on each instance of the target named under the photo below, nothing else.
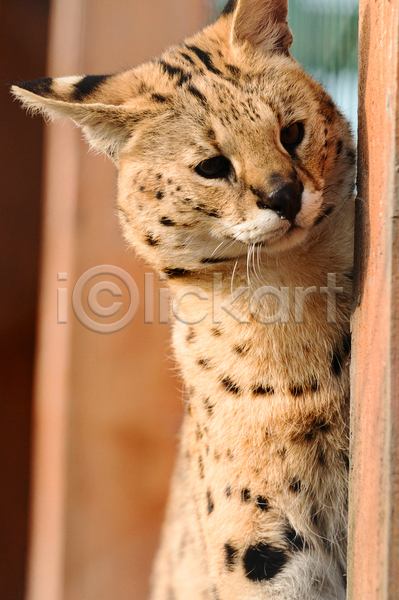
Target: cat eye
(292, 136)
(216, 167)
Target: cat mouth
(264, 239)
(262, 242)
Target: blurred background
(89, 422)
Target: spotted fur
(258, 506)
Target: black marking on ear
(197, 94)
(262, 562)
(295, 540)
(159, 195)
(172, 71)
(295, 486)
(230, 7)
(261, 390)
(230, 556)
(167, 222)
(245, 495)
(210, 503)
(41, 87)
(262, 502)
(87, 86)
(176, 273)
(150, 240)
(205, 58)
(230, 386)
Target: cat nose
(285, 200)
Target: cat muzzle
(286, 201)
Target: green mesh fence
(325, 42)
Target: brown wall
(23, 38)
(374, 490)
(107, 407)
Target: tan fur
(258, 506)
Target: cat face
(255, 153)
(222, 144)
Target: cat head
(222, 144)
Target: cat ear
(262, 23)
(94, 102)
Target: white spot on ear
(63, 85)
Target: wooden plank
(107, 406)
(374, 493)
(23, 26)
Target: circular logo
(96, 308)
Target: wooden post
(374, 482)
(107, 407)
